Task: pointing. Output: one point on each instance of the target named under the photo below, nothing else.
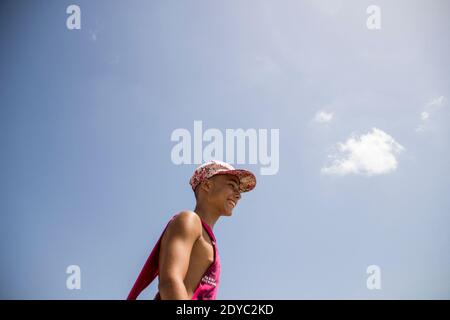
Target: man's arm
(175, 252)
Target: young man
(185, 256)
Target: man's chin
(228, 213)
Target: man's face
(225, 193)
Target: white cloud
(424, 115)
(369, 154)
(435, 103)
(113, 58)
(93, 35)
(430, 109)
(323, 117)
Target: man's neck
(207, 214)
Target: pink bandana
(247, 180)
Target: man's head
(219, 185)
(220, 191)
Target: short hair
(196, 191)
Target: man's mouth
(232, 203)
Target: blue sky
(87, 116)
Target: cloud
(369, 154)
(323, 117)
(430, 109)
(113, 58)
(93, 35)
(424, 115)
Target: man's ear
(207, 185)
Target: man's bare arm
(176, 247)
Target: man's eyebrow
(235, 181)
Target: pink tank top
(207, 287)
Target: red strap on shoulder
(149, 271)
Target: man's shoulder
(186, 222)
(187, 214)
